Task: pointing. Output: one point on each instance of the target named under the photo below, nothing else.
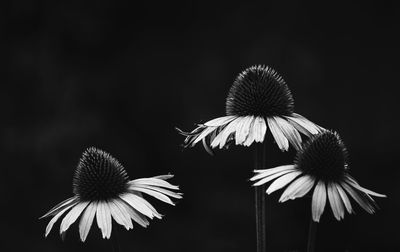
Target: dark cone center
(259, 91)
(99, 176)
(323, 156)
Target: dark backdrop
(121, 76)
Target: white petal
(223, 136)
(137, 203)
(72, 216)
(298, 188)
(289, 132)
(282, 181)
(318, 201)
(219, 121)
(203, 134)
(56, 217)
(135, 215)
(121, 205)
(205, 145)
(354, 183)
(153, 182)
(250, 136)
(119, 216)
(267, 172)
(335, 201)
(260, 129)
(60, 206)
(87, 220)
(155, 213)
(272, 177)
(155, 194)
(243, 129)
(161, 190)
(306, 127)
(101, 218)
(344, 197)
(280, 139)
(238, 138)
(359, 198)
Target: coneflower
(258, 100)
(322, 165)
(102, 189)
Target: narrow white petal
(219, 121)
(243, 130)
(359, 198)
(289, 131)
(123, 212)
(280, 139)
(108, 219)
(354, 183)
(71, 217)
(261, 129)
(267, 172)
(318, 201)
(250, 136)
(306, 127)
(87, 220)
(137, 203)
(203, 134)
(150, 206)
(118, 216)
(101, 218)
(298, 188)
(282, 181)
(60, 206)
(225, 133)
(153, 182)
(272, 177)
(135, 215)
(345, 199)
(160, 190)
(238, 138)
(56, 217)
(335, 201)
(155, 194)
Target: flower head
(102, 188)
(258, 99)
(322, 164)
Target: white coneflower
(258, 99)
(321, 162)
(102, 188)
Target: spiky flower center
(323, 156)
(99, 176)
(259, 91)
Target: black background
(121, 76)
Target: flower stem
(312, 233)
(115, 242)
(260, 163)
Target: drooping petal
(101, 218)
(60, 206)
(125, 217)
(298, 188)
(153, 182)
(302, 124)
(267, 172)
(219, 121)
(250, 137)
(335, 201)
(225, 133)
(345, 199)
(135, 215)
(359, 198)
(289, 131)
(71, 217)
(150, 206)
(282, 181)
(203, 134)
(155, 194)
(318, 201)
(354, 184)
(87, 220)
(161, 190)
(108, 219)
(260, 128)
(279, 137)
(137, 203)
(56, 217)
(243, 129)
(119, 216)
(272, 177)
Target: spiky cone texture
(102, 188)
(320, 165)
(259, 99)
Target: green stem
(312, 233)
(260, 163)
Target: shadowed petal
(298, 188)
(203, 134)
(335, 201)
(289, 131)
(345, 199)
(359, 198)
(243, 129)
(354, 184)
(282, 181)
(60, 206)
(87, 220)
(302, 124)
(280, 139)
(318, 201)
